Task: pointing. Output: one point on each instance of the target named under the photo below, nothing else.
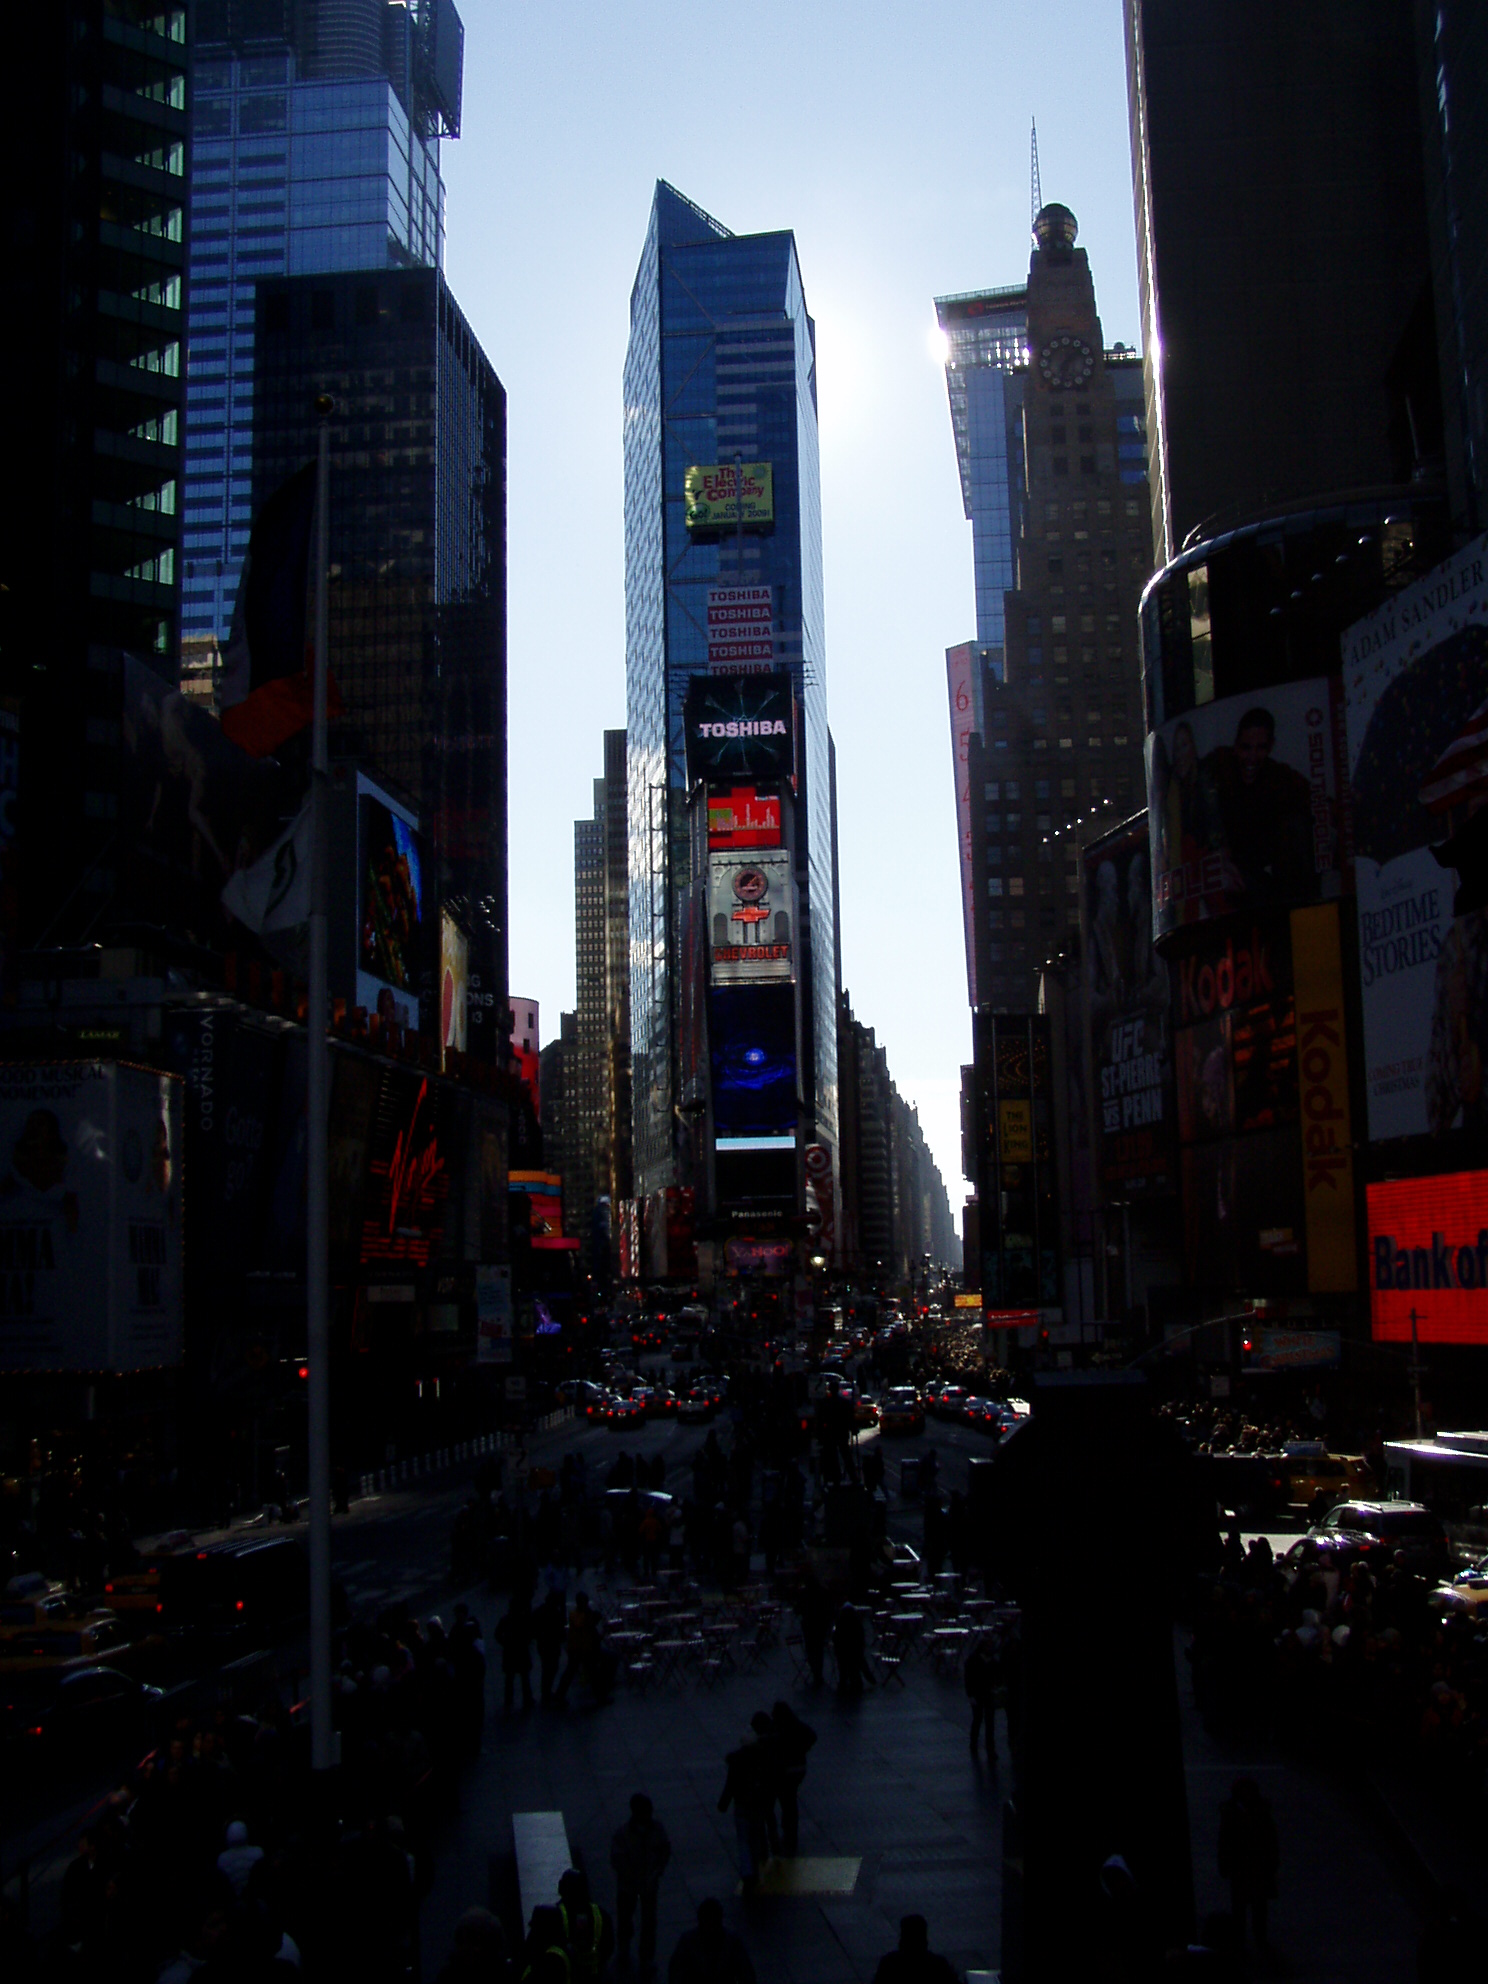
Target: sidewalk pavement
(890, 1783)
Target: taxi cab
(1317, 1479)
(901, 1410)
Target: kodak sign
(1322, 1090)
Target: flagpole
(323, 1743)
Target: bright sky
(894, 141)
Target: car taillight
(158, 1606)
(108, 1588)
(239, 1606)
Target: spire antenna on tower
(1037, 197)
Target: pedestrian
(583, 1651)
(710, 1954)
(545, 1954)
(914, 1962)
(1248, 1858)
(981, 1680)
(744, 1787)
(639, 1853)
(767, 1764)
(547, 1633)
(514, 1636)
(850, 1645)
(816, 1626)
(238, 1857)
(794, 1739)
(588, 1931)
(479, 1955)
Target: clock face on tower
(1065, 362)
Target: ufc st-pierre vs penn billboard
(1428, 1253)
(740, 727)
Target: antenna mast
(1035, 190)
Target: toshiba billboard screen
(740, 727)
(1428, 1253)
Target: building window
(1015, 885)
(1061, 465)
(1087, 464)
(1017, 918)
(994, 919)
(1015, 823)
(1066, 788)
(1041, 788)
(1072, 885)
(1059, 435)
(992, 789)
(1012, 791)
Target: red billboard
(743, 816)
(1428, 1255)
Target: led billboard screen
(740, 727)
(1243, 804)
(717, 496)
(742, 816)
(1428, 1254)
(1415, 675)
(408, 1174)
(454, 987)
(751, 917)
(392, 907)
(752, 1052)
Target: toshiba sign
(1428, 1253)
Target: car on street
(1316, 1480)
(952, 1399)
(240, 1590)
(866, 1411)
(1384, 1528)
(86, 1710)
(624, 1414)
(699, 1404)
(1466, 1592)
(902, 1411)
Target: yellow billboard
(715, 493)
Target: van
(234, 1589)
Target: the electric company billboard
(751, 917)
(1428, 1256)
(718, 496)
(740, 727)
(90, 1217)
(1243, 803)
(1415, 673)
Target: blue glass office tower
(721, 363)
(315, 132)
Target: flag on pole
(268, 683)
(274, 892)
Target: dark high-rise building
(1046, 714)
(720, 377)
(620, 1175)
(894, 1211)
(587, 1068)
(1282, 252)
(95, 313)
(417, 558)
(316, 128)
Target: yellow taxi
(1317, 1479)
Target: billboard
(740, 727)
(454, 988)
(493, 1315)
(751, 917)
(961, 665)
(1428, 1258)
(718, 496)
(741, 629)
(1130, 1047)
(752, 1055)
(1323, 1100)
(90, 1217)
(408, 1174)
(743, 816)
(1242, 798)
(392, 907)
(1415, 674)
(231, 1072)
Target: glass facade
(986, 340)
(721, 362)
(290, 177)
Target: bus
(1449, 1473)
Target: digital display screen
(1428, 1256)
(752, 1052)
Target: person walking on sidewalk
(746, 1788)
(547, 1631)
(514, 1636)
(981, 1691)
(583, 1651)
(793, 1741)
(1249, 1854)
(914, 1962)
(587, 1930)
(710, 1954)
(639, 1853)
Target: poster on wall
(1242, 799)
(1428, 1258)
(90, 1217)
(1415, 679)
(1127, 987)
(493, 1315)
(454, 987)
(392, 907)
(751, 917)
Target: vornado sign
(740, 726)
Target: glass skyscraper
(721, 364)
(315, 141)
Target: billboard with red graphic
(1428, 1258)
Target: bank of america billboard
(1415, 679)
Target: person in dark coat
(981, 1691)
(1248, 1857)
(793, 1741)
(914, 1962)
(710, 1954)
(816, 1626)
(748, 1789)
(850, 1645)
(514, 1636)
(548, 1628)
(639, 1853)
(479, 1955)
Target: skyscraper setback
(315, 130)
(722, 516)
